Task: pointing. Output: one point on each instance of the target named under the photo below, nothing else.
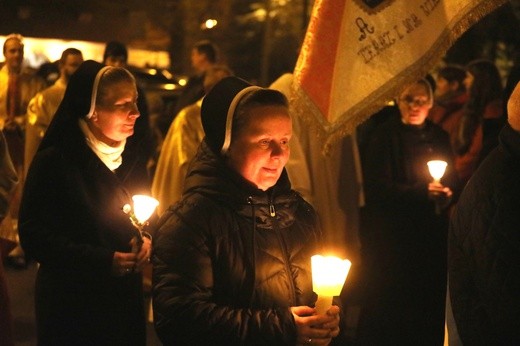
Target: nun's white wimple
(94, 90)
(229, 117)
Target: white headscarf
(111, 156)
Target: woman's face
(260, 150)
(414, 104)
(115, 116)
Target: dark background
(257, 46)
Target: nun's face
(260, 150)
(115, 116)
(414, 104)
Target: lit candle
(144, 207)
(328, 276)
(437, 169)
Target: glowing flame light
(437, 169)
(144, 206)
(209, 24)
(328, 276)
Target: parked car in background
(161, 89)
(159, 85)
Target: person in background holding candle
(89, 286)
(232, 259)
(403, 238)
(484, 248)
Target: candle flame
(144, 207)
(437, 168)
(329, 274)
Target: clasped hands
(313, 329)
(124, 263)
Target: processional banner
(357, 53)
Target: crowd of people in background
(231, 237)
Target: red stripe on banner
(318, 68)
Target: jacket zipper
(281, 241)
(272, 211)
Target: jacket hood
(208, 175)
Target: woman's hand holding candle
(315, 329)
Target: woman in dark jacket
(232, 258)
(88, 286)
(403, 232)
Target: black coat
(71, 222)
(484, 249)
(403, 240)
(229, 260)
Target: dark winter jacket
(229, 260)
(484, 250)
(71, 222)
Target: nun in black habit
(89, 282)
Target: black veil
(75, 104)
